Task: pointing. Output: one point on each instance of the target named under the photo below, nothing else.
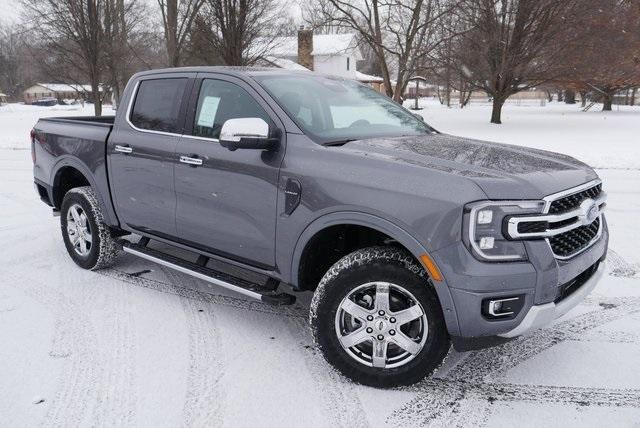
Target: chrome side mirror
(246, 133)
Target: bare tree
(14, 75)
(511, 45)
(123, 35)
(73, 30)
(608, 46)
(243, 31)
(400, 33)
(178, 17)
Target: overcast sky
(9, 10)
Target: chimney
(305, 47)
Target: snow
(138, 344)
(323, 44)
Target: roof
(63, 87)
(2, 95)
(284, 63)
(361, 77)
(323, 44)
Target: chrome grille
(568, 223)
(574, 241)
(571, 202)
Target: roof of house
(323, 44)
(284, 63)
(368, 78)
(63, 87)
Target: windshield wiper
(339, 142)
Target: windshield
(333, 110)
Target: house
(334, 54)
(3, 98)
(59, 91)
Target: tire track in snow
(74, 340)
(443, 398)
(618, 266)
(204, 399)
(440, 399)
(483, 364)
(117, 401)
(339, 395)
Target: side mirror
(418, 116)
(246, 133)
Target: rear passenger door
(227, 204)
(142, 156)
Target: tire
(357, 277)
(96, 249)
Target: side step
(200, 271)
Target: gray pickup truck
(271, 182)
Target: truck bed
(77, 142)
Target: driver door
(226, 200)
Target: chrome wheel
(381, 324)
(79, 230)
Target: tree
(243, 31)
(73, 30)
(178, 17)
(609, 47)
(510, 45)
(400, 33)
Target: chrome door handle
(123, 149)
(190, 161)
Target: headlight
(483, 224)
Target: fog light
(503, 307)
(486, 242)
(485, 216)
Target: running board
(200, 271)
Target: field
(138, 344)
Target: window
(332, 109)
(220, 101)
(157, 105)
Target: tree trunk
(607, 100)
(632, 101)
(570, 96)
(96, 98)
(496, 111)
(583, 98)
(560, 96)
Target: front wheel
(87, 238)
(377, 319)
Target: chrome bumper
(541, 315)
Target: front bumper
(542, 315)
(469, 282)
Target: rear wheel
(377, 319)
(87, 238)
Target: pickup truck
(271, 182)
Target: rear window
(157, 105)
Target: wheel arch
(382, 226)
(80, 175)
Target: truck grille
(571, 202)
(572, 242)
(570, 223)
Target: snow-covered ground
(141, 345)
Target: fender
(70, 161)
(388, 228)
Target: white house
(334, 54)
(59, 91)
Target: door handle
(123, 149)
(190, 161)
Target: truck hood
(502, 171)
